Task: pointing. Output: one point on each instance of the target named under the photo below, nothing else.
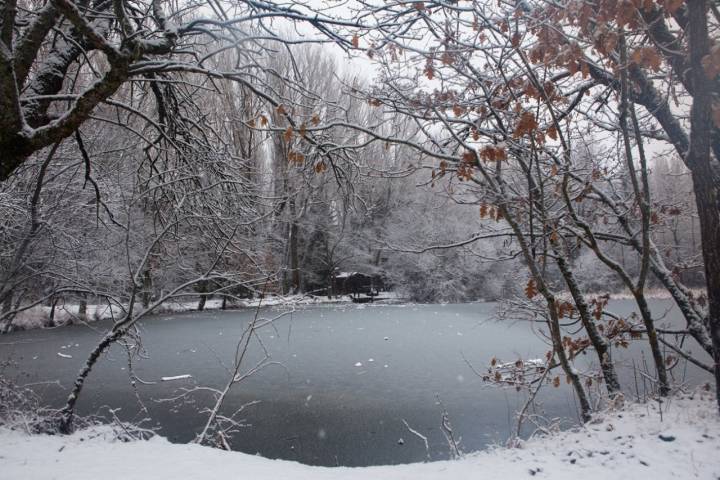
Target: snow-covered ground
(655, 293)
(679, 440)
(37, 316)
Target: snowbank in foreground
(635, 443)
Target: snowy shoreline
(634, 442)
(37, 317)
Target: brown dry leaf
(585, 69)
(483, 210)
(573, 67)
(296, 157)
(531, 289)
(526, 125)
(552, 132)
(647, 57)
(531, 91)
(625, 13)
(492, 153)
(469, 157)
(320, 167)
(608, 43)
(355, 41)
(288, 135)
(429, 70)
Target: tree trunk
(67, 414)
(559, 348)
(53, 305)
(82, 310)
(201, 302)
(553, 320)
(294, 264)
(6, 322)
(146, 288)
(601, 346)
(700, 161)
(653, 341)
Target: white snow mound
(633, 443)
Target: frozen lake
(346, 380)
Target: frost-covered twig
(446, 428)
(420, 436)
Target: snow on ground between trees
(632, 443)
(37, 316)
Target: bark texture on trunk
(601, 346)
(67, 414)
(703, 167)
